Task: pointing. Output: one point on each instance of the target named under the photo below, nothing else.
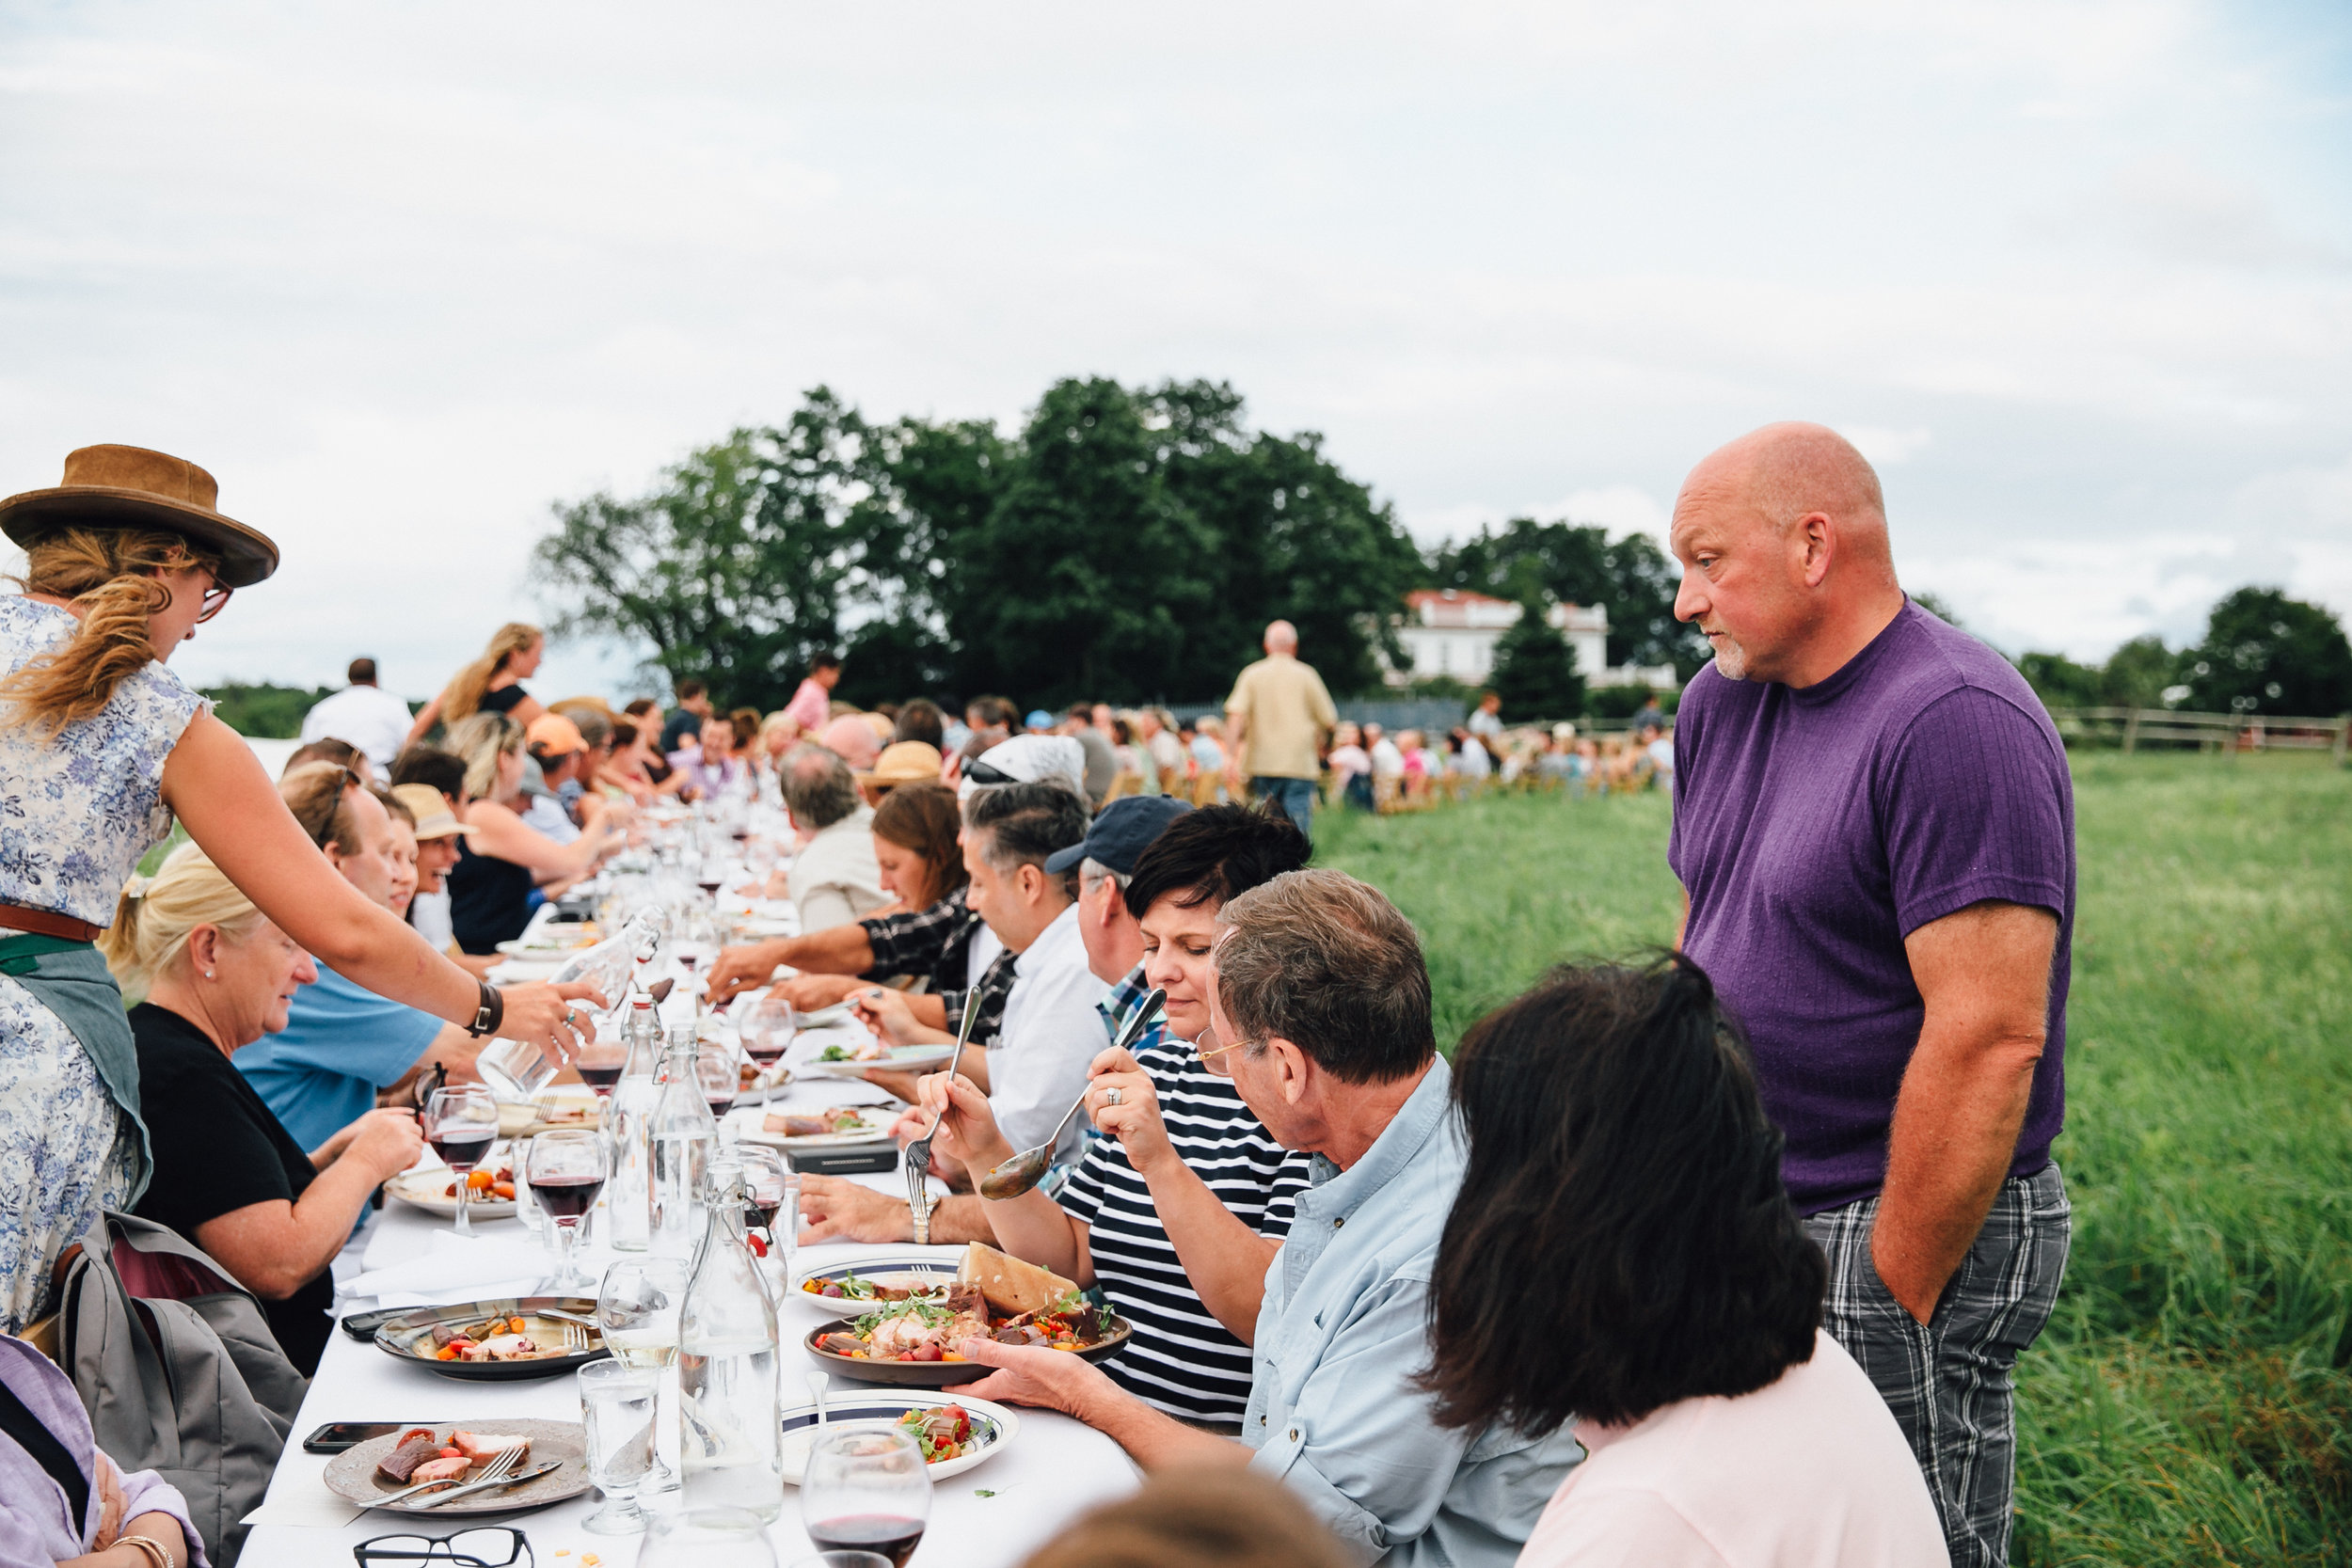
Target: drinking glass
(566, 1170)
(867, 1490)
(617, 1407)
(708, 1538)
(767, 1032)
(774, 1191)
(461, 1124)
(637, 1311)
(844, 1560)
(722, 1080)
(602, 1059)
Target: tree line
(2262, 653)
(1124, 544)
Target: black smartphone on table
(335, 1436)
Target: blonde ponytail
(155, 915)
(463, 698)
(109, 576)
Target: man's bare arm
(1984, 973)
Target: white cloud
(1884, 448)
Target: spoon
(818, 1386)
(918, 1153)
(1027, 1169)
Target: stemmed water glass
(566, 1170)
(616, 1405)
(461, 1124)
(767, 1032)
(637, 1313)
(866, 1489)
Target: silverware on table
(1025, 1169)
(501, 1465)
(515, 1478)
(918, 1153)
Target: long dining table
(992, 1517)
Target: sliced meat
(841, 1344)
(400, 1464)
(798, 1127)
(441, 1469)
(480, 1445)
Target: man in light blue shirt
(1322, 1007)
(341, 1044)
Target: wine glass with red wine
(867, 1490)
(717, 1071)
(601, 1062)
(566, 1168)
(767, 1031)
(461, 1124)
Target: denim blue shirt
(341, 1044)
(1344, 1329)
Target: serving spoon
(1025, 1169)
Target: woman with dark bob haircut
(1622, 1254)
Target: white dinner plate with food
(359, 1475)
(551, 942)
(952, 1442)
(435, 1190)
(523, 972)
(839, 1127)
(897, 1058)
(839, 1287)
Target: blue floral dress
(77, 811)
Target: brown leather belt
(42, 923)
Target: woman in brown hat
(101, 747)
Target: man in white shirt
(374, 720)
(1387, 761)
(835, 878)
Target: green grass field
(2184, 1405)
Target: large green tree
(1534, 671)
(1579, 563)
(746, 559)
(2265, 653)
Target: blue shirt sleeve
(336, 1026)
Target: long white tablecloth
(1055, 1470)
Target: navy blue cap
(1123, 830)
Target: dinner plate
(935, 1374)
(351, 1475)
(752, 1128)
(523, 949)
(826, 1016)
(516, 972)
(994, 1427)
(899, 1058)
(937, 1266)
(409, 1337)
(421, 1189)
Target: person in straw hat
(101, 748)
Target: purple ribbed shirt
(35, 1528)
(1815, 830)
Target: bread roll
(1010, 1285)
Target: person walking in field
(1279, 714)
(1874, 828)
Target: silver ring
(1110, 1096)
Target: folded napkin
(455, 1269)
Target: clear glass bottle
(731, 1448)
(682, 1136)
(516, 1071)
(628, 1200)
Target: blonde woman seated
(505, 858)
(218, 975)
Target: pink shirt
(1811, 1472)
(812, 705)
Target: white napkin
(320, 1510)
(456, 1269)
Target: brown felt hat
(134, 487)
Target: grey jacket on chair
(178, 1371)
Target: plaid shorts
(1948, 1380)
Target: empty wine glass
(866, 1489)
(708, 1538)
(566, 1170)
(636, 1312)
(461, 1124)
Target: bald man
(1875, 831)
(1276, 720)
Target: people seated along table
(1177, 1209)
(943, 940)
(322, 1068)
(504, 861)
(229, 1177)
(61, 1499)
(834, 880)
(1659, 1292)
(1321, 1003)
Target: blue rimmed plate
(992, 1425)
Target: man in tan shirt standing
(1277, 718)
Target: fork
(502, 1465)
(918, 1153)
(574, 1338)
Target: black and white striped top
(1181, 1360)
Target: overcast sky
(2077, 275)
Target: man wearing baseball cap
(558, 747)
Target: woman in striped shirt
(1177, 1209)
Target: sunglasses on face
(216, 600)
(984, 774)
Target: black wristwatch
(492, 1011)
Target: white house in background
(1447, 631)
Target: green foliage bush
(264, 712)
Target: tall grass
(2184, 1405)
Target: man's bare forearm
(835, 950)
(1152, 1439)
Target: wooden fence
(2132, 728)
